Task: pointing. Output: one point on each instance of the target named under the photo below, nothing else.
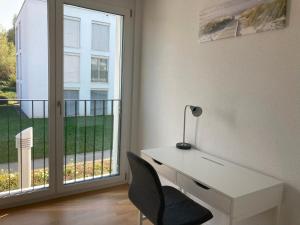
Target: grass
(93, 133)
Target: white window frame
(55, 112)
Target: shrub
(3, 100)
(7, 181)
(8, 95)
(12, 82)
(10, 181)
(7, 58)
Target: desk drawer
(161, 169)
(209, 196)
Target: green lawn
(89, 132)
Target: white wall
(249, 88)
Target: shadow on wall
(291, 206)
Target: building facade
(91, 59)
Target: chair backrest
(145, 191)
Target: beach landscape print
(233, 18)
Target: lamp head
(196, 110)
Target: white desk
(236, 191)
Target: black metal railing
(91, 131)
(23, 145)
(90, 149)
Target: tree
(11, 31)
(7, 58)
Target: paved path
(39, 163)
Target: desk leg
(182, 190)
(231, 222)
(278, 214)
(140, 218)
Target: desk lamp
(196, 111)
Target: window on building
(71, 106)
(71, 32)
(100, 37)
(20, 35)
(99, 107)
(17, 38)
(71, 68)
(19, 67)
(99, 69)
(20, 91)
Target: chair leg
(140, 218)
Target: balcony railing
(91, 136)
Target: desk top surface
(226, 177)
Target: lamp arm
(184, 119)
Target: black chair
(162, 205)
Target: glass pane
(23, 97)
(92, 103)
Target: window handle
(60, 108)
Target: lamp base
(183, 146)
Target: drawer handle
(157, 162)
(201, 185)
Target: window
(72, 106)
(20, 91)
(99, 69)
(20, 36)
(100, 106)
(19, 67)
(100, 37)
(72, 32)
(71, 68)
(17, 38)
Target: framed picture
(233, 18)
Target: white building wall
(34, 51)
(87, 17)
(32, 20)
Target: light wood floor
(105, 207)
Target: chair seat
(181, 210)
